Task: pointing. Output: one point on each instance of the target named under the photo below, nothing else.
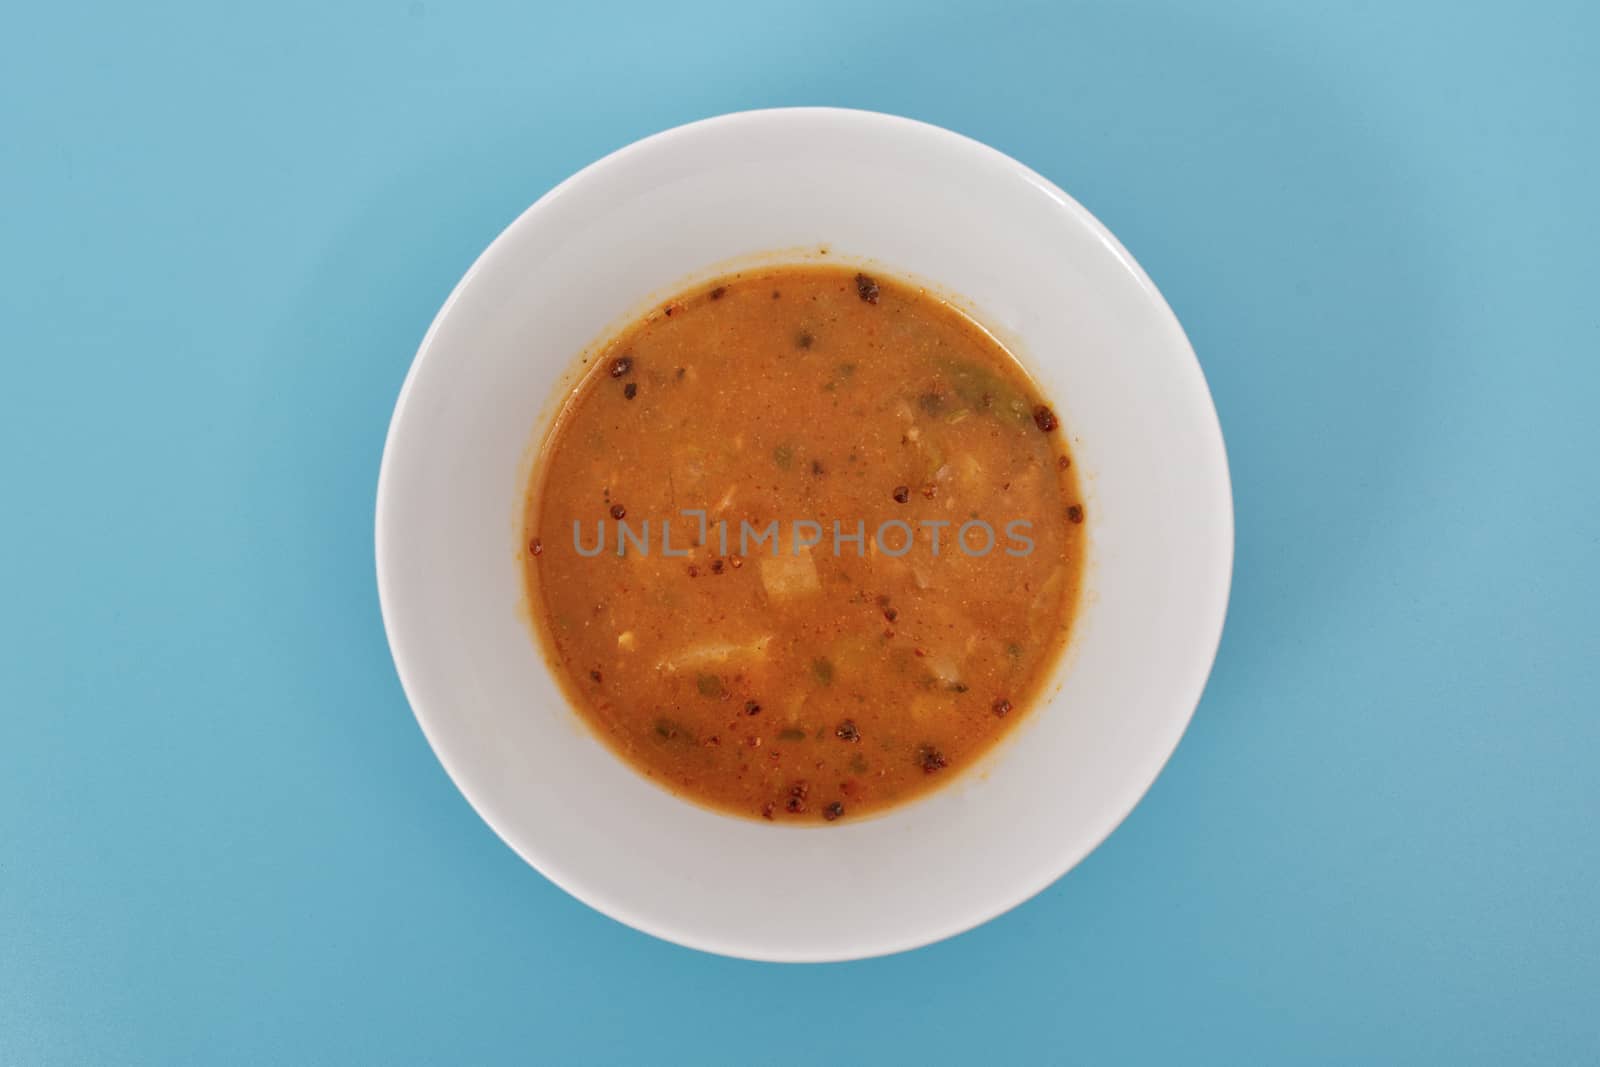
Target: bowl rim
(598, 899)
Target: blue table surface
(225, 228)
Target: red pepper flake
(804, 339)
(736, 562)
(618, 511)
(536, 547)
(1074, 513)
(920, 652)
(833, 811)
(752, 708)
(929, 490)
(621, 366)
(1063, 463)
(594, 675)
(902, 493)
(816, 467)
(694, 572)
(719, 292)
(847, 731)
(630, 390)
(766, 811)
(890, 614)
(931, 759)
(716, 566)
(1044, 418)
(797, 798)
(866, 288)
(1002, 707)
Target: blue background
(225, 229)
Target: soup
(803, 543)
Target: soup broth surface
(803, 543)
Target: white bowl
(915, 201)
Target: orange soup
(803, 543)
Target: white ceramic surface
(914, 200)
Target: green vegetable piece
(668, 730)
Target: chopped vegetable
(672, 730)
(713, 653)
(788, 578)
